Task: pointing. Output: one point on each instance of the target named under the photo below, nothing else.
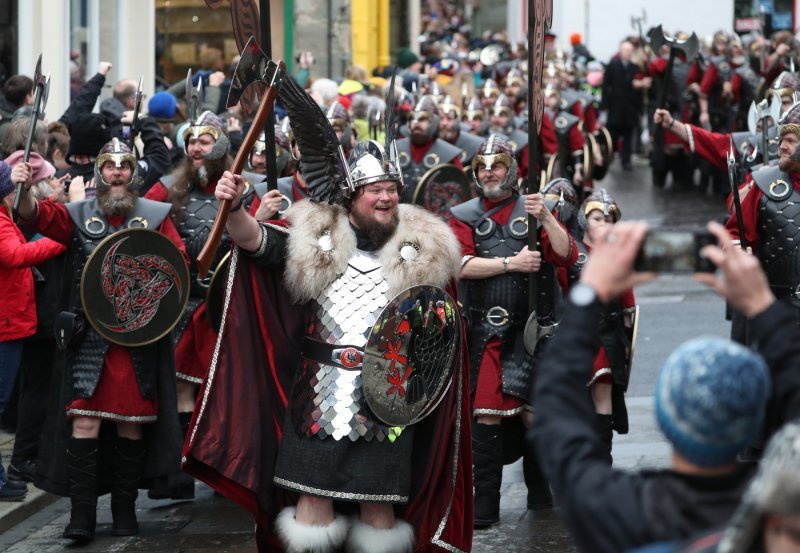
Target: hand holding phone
(675, 251)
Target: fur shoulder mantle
(423, 250)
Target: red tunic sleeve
(709, 79)
(736, 85)
(157, 193)
(463, 233)
(694, 74)
(547, 136)
(54, 222)
(576, 141)
(749, 217)
(550, 255)
(711, 146)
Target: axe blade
(38, 78)
(752, 119)
(689, 47)
(254, 66)
(657, 38)
(188, 91)
(45, 93)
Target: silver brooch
(325, 242)
(408, 251)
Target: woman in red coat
(18, 307)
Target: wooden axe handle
(210, 248)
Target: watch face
(582, 294)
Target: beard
(209, 172)
(114, 204)
(377, 232)
(448, 134)
(496, 192)
(419, 138)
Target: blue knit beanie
(710, 399)
(6, 186)
(162, 105)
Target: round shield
(215, 298)
(410, 355)
(134, 287)
(441, 188)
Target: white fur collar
(309, 268)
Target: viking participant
(450, 130)
(475, 117)
(423, 151)
(569, 140)
(610, 370)
(496, 264)
(105, 384)
(299, 381)
(291, 187)
(194, 207)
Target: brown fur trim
(309, 270)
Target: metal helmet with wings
(331, 178)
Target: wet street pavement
(673, 309)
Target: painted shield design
(441, 188)
(134, 287)
(410, 355)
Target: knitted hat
(710, 399)
(406, 58)
(162, 105)
(87, 134)
(6, 186)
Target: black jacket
(622, 101)
(609, 510)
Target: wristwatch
(506, 261)
(583, 295)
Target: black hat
(88, 133)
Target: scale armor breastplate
(779, 243)
(328, 400)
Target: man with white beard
(496, 265)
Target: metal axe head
(38, 78)
(689, 47)
(45, 93)
(141, 82)
(254, 67)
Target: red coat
(17, 256)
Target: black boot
(539, 495)
(128, 465)
(605, 429)
(487, 459)
(82, 474)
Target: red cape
(233, 440)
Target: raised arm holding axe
(254, 67)
(42, 85)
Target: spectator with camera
(710, 402)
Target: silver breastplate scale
(330, 398)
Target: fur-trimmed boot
(364, 538)
(82, 475)
(487, 462)
(128, 465)
(302, 538)
(605, 429)
(539, 495)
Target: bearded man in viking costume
(120, 416)
(340, 355)
(190, 191)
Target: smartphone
(675, 251)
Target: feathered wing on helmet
(322, 160)
(392, 124)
